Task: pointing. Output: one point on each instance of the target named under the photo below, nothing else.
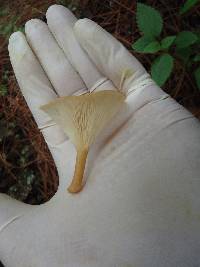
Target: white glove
(141, 203)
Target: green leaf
(196, 58)
(20, 28)
(198, 35)
(167, 41)
(4, 12)
(187, 6)
(3, 89)
(6, 30)
(184, 53)
(149, 20)
(141, 43)
(185, 39)
(146, 45)
(197, 77)
(63, 2)
(162, 68)
(153, 47)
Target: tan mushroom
(82, 118)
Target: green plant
(4, 81)
(6, 28)
(18, 176)
(71, 4)
(187, 6)
(168, 49)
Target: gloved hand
(141, 203)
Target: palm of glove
(141, 200)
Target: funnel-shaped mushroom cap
(83, 117)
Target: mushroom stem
(76, 184)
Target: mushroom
(82, 118)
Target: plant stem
(76, 184)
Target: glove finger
(61, 21)
(34, 85)
(63, 77)
(111, 57)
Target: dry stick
(7, 166)
(127, 8)
(123, 40)
(179, 84)
(117, 22)
(172, 16)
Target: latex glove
(141, 203)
